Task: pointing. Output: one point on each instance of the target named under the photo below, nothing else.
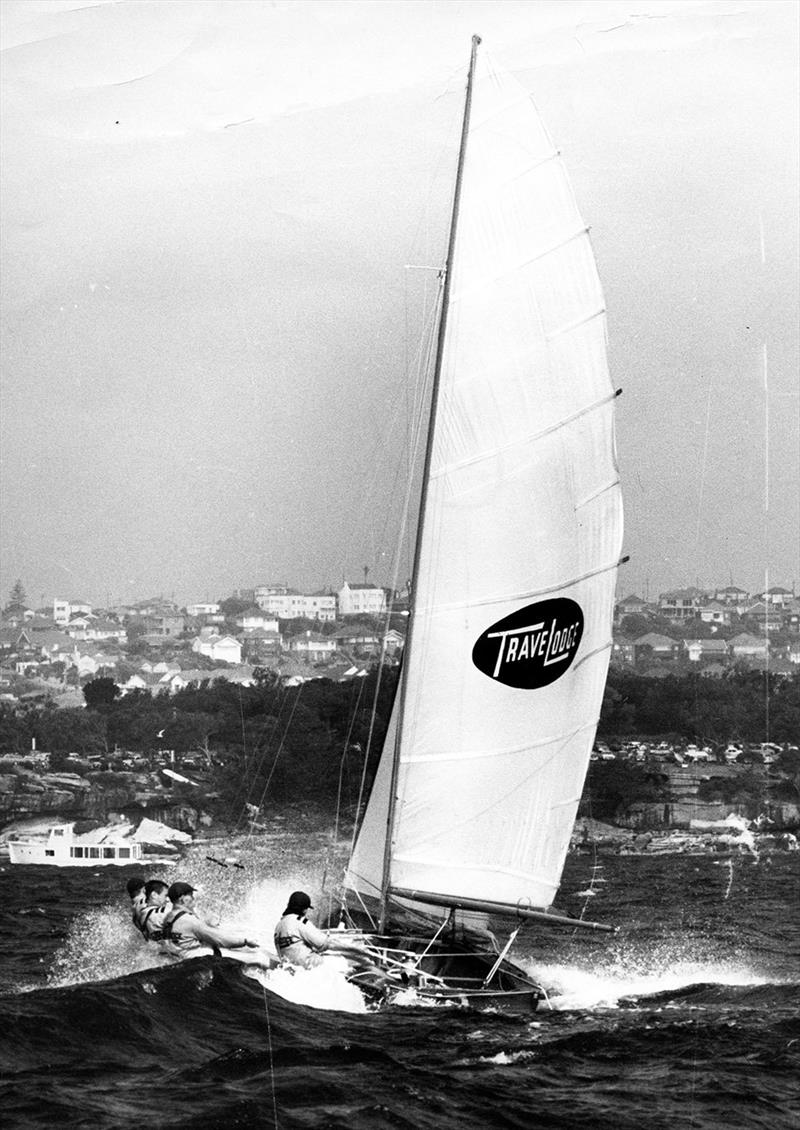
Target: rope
(271, 1057)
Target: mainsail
(521, 532)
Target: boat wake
(636, 983)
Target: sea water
(688, 1016)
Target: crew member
(183, 931)
(135, 888)
(150, 917)
(300, 942)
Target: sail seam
(576, 324)
(533, 437)
(472, 755)
(530, 594)
(501, 108)
(596, 494)
(467, 289)
(596, 651)
(483, 868)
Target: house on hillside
(260, 643)
(255, 617)
(176, 681)
(135, 682)
(716, 613)
(64, 610)
(706, 651)
(288, 604)
(393, 641)
(14, 641)
(202, 609)
(38, 623)
(54, 645)
(681, 604)
(776, 596)
(168, 622)
(656, 646)
(734, 598)
(764, 617)
(312, 646)
(747, 646)
(631, 606)
(94, 628)
(222, 648)
(320, 606)
(361, 600)
(791, 618)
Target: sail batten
(519, 544)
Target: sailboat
(519, 537)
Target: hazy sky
(208, 209)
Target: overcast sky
(208, 211)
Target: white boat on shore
(60, 847)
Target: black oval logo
(533, 646)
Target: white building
(207, 608)
(361, 600)
(224, 648)
(313, 646)
(64, 610)
(254, 617)
(288, 604)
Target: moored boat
(60, 847)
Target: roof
(655, 639)
(708, 645)
(10, 637)
(52, 637)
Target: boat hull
(433, 971)
(65, 854)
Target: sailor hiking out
(183, 931)
(149, 916)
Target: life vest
(141, 917)
(284, 937)
(176, 938)
(290, 944)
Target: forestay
(521, 536)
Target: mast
(387, 854)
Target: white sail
(521, 536)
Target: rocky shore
(734, 834)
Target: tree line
(267, 741)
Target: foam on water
(102, 944)
(324, 987)
(604, 986)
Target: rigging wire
(271, 1057)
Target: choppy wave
(690, 1016)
